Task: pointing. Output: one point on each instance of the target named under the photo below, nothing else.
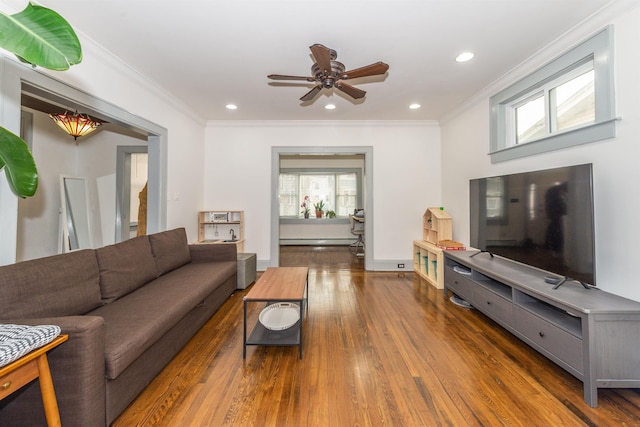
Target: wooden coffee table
(278, 285)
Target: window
(572, 103)
(569, 101)
(565, 103)
(529, 119)
(337, 189)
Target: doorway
(279, 152)
(17, 79)
(131, 183)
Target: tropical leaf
(40, 36)
(18, 164)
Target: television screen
(541, 218)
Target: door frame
(366, 151)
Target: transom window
(567, 102)
(338, 190)
(562, 104)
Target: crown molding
(323, 123)
(103, 55)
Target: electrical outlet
(400, 265)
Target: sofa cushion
(59, 285)
(170, 250)
(124, 267)
(137, 321)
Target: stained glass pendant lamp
(75, 124)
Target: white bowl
(280, 316)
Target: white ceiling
(208, 53)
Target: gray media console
(590, 333)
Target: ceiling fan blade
(322, 56)
(353, 92)
(283, 77)
(312, 93)
(369, 70)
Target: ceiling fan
(329, 73)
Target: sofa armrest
(213, 252)
(78, 372)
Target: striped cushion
(18, 340)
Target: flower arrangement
(305, 206)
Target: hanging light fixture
(75, 124)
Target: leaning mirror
(76, 230)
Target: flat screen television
(542, 218)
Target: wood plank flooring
(380, 349)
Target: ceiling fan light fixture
(327, 73)
(75, 124)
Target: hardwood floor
(325, 258)
(379, 349)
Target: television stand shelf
(592, 334)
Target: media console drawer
(558, 342)
(459, 284)
(493, 305)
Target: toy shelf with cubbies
(428, 258)
(428, 262)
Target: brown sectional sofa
(128, 309)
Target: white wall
(406, 175)
(39, 216)
(465, 142)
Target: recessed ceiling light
(330, 107)
(464, 57)
(232, 107)
(414, 106)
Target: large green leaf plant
(40, 37)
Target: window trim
(598, 48)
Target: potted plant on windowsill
(319, 208)
(305, 207)
(41, 37)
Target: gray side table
(246, 270)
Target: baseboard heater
(316, 242)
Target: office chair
(357, 229)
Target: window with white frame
(562, 104)
(338, 190)
(569, 101)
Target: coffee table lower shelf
(260, 335)
(286, 337)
